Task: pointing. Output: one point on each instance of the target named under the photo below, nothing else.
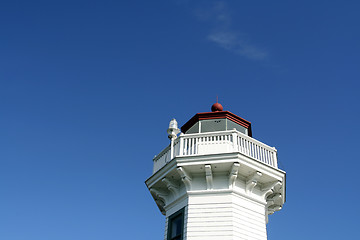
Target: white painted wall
(224, 216)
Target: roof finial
(216, 107)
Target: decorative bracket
(185, 178)
(209, 177)
(233, 174)
(171, 186)
(276, 198)
(273, 209)
(278, 187)
(269, 203)
(158, 195)
(270, 188)
(252, 181)
(274, 203)
(273, 197)
(160, 199)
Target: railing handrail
(207, 134)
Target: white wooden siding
(224, 216)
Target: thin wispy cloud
(230, 41)
(223, 33)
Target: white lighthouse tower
(214, 181)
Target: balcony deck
(216, 143)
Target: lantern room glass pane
(194, 128)
(231, 125)
(213, 125)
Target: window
(176, 226)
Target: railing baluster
(181, 145)
(259, 156)
(243, 145)
(195, 145)
(238, 139)
(188, 146)
(247, 147)
(251, 149)
(267, 156)
(256, 151)
(191, 146)
(273, 159)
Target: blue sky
(87, 89)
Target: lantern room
(217, 120)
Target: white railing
(217, 142)
(255, 149)
(164, 156)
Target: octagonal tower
(215, 181)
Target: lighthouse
(215, 181)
